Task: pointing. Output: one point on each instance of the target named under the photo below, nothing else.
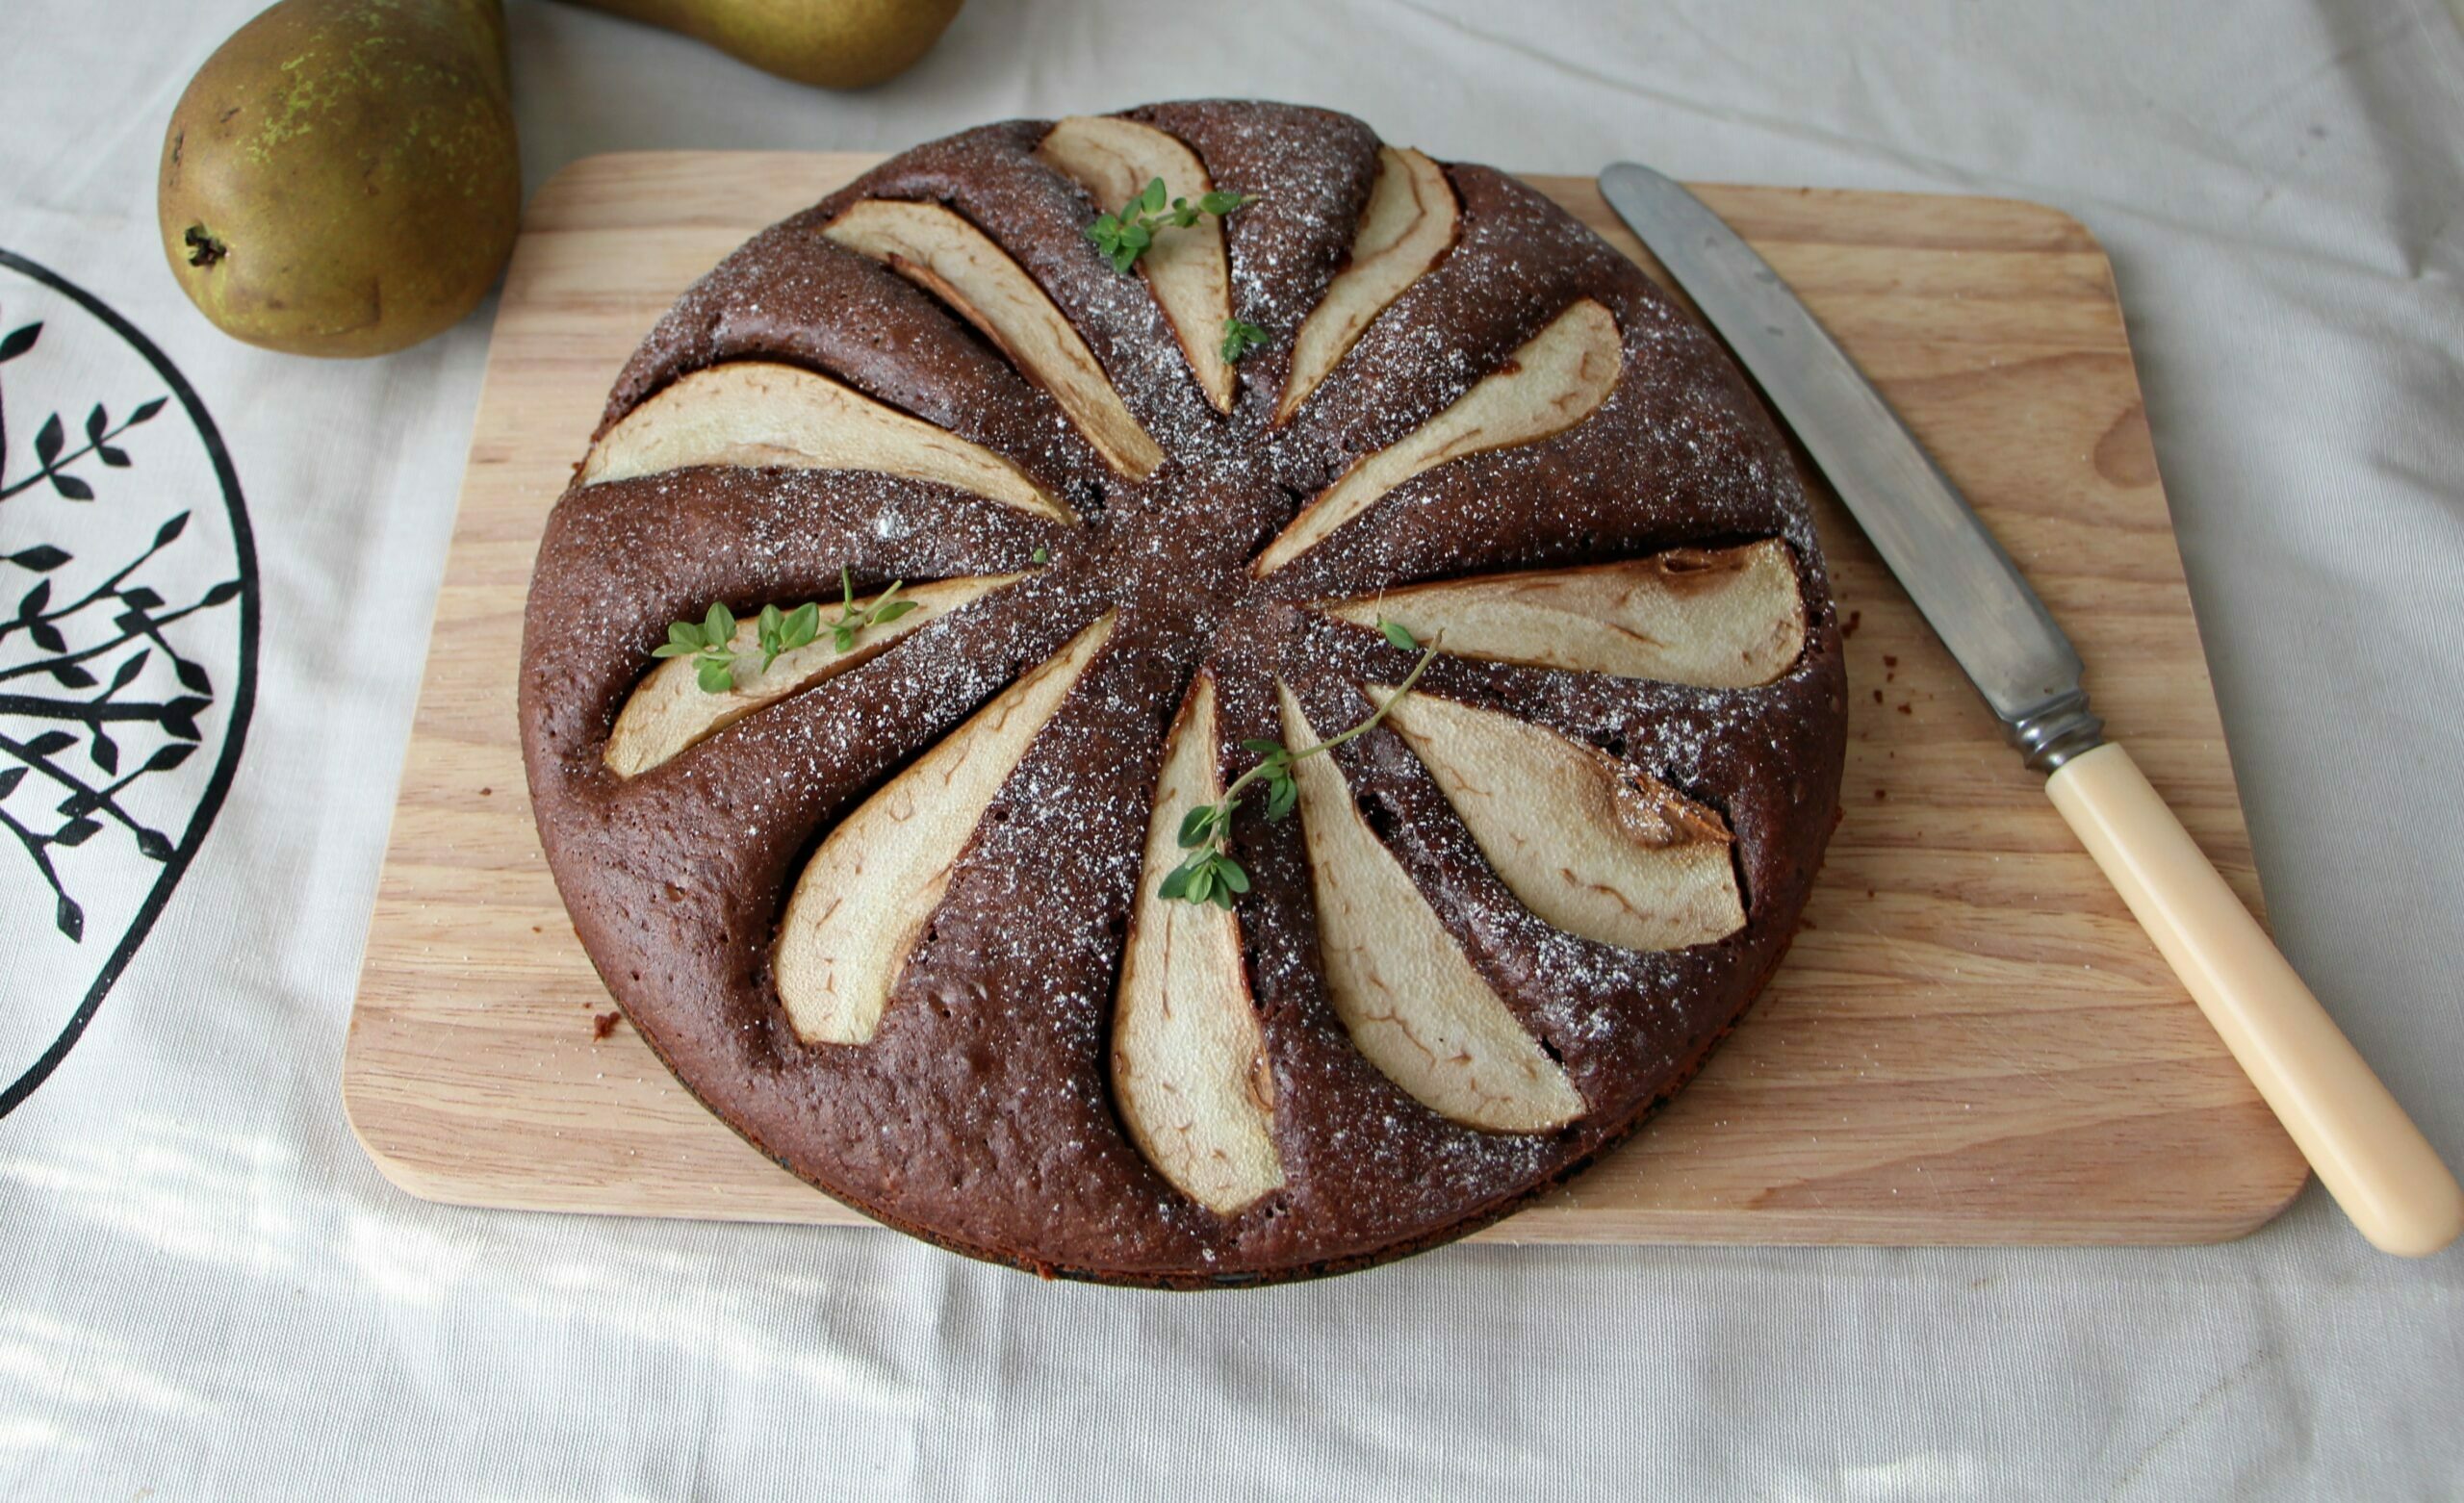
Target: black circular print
(128, 653)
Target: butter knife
(2368, 1153)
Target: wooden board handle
(2371, 1156)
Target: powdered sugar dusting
(981, 1113)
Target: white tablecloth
(206, 1291)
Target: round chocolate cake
(1182, 698)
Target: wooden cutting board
(1970, 1042)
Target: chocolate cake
(911, 904)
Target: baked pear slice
(1185, 267)
(1403, 989)
(1189, 1062)
(866, 896)
(759, 412)
(669, 710)
(1556, 379)
(958, 264)
(1588, 844)
(1727, 618)
(1411, 219)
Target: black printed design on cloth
(128, 646)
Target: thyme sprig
(1210, 873)
(851, 621)
(711, 642)
(1124, 237)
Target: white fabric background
(206, 1291)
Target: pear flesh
(1409, 224)
(670, 712)
(1115, 159)
(759, 412)
(1410, 999)
(1188, 1059)
(960, 265)
(1717, 618)
(1589, 845)
(1555, 380)
(867, 893)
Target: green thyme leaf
(1240, 337)
(717, 676)
(1042, 555)
(1399, 634)
(801, 624)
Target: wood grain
(1970, 1042)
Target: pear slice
(670, 711)
(759, 413)
(1722, 618)
(957, 263)
(868, 891)
(1588, 844)
(1410, 221)
(1412, 1003)
(1189, 1062)
(1115, 159)
(1558, 377)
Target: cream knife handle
(2371, 1156)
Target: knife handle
(2370, 1155)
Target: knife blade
(2368, 1153)
(1963, 582)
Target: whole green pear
(341, 177)
(834, 43)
